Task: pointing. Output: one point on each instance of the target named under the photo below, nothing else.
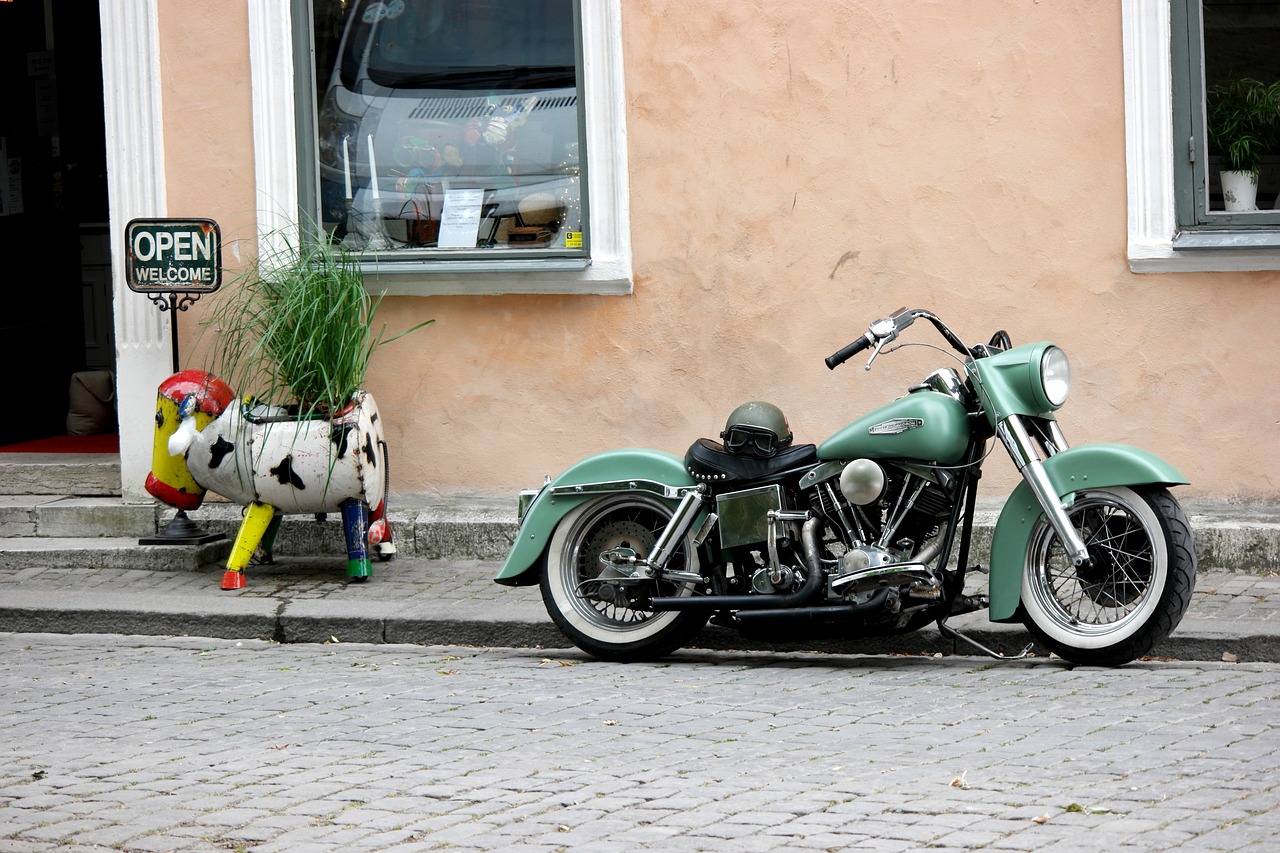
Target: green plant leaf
(1243, 122)
(297, 326)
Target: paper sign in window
(460, 219)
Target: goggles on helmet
(749, 439)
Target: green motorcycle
(869, 532)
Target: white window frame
(1149, 158)
(608, 271)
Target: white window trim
(136, 188)
(609, 270)
(1149, 154)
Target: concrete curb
(326, 621)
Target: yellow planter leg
(257, 518)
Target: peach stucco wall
(208, 118)
(798, 169)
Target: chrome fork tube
(1056, 437)
(1013, 434)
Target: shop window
(1229, 83)
(450, 130)
(1180, 56)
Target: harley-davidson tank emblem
(896, 426)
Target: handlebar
(883, 331)
(848, 352)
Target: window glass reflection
(450, 125)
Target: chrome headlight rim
(1055, 377)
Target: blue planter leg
(355, 524)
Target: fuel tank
(923, 425)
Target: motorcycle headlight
(1055, 376)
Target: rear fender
(630, 470)
(1088, 466)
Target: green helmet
(756, 428)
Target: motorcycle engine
(879, 516)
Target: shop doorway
(57, 325)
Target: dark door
(54, 249)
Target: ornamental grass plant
(296, 328)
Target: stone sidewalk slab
(456, 602)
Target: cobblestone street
(147, 744)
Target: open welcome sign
(173, 255)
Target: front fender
(1073, 470)
(632, 469)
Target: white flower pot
(1239, 190)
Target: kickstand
(952, 634)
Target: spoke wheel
(1132, 592)
(598, 607)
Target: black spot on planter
(219, 451)
(339, 437)
(285, 475)
(369, 455)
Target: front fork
(1013, 434)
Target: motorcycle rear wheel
(1133, 592)
(605, 618)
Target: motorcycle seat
(707, 461)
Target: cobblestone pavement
(132, 744)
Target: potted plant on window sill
(294, 333)
(1243, 125)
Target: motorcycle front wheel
(1133, 591)
(593, 605)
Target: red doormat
(105, 443)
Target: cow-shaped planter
(272, 463)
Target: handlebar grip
(834, 361)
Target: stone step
(69, 517)
(78, 532)
(474, 529)
(79, 474)
(108, 552)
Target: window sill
(1208, 251)
(1253, 238)
(569, 276)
